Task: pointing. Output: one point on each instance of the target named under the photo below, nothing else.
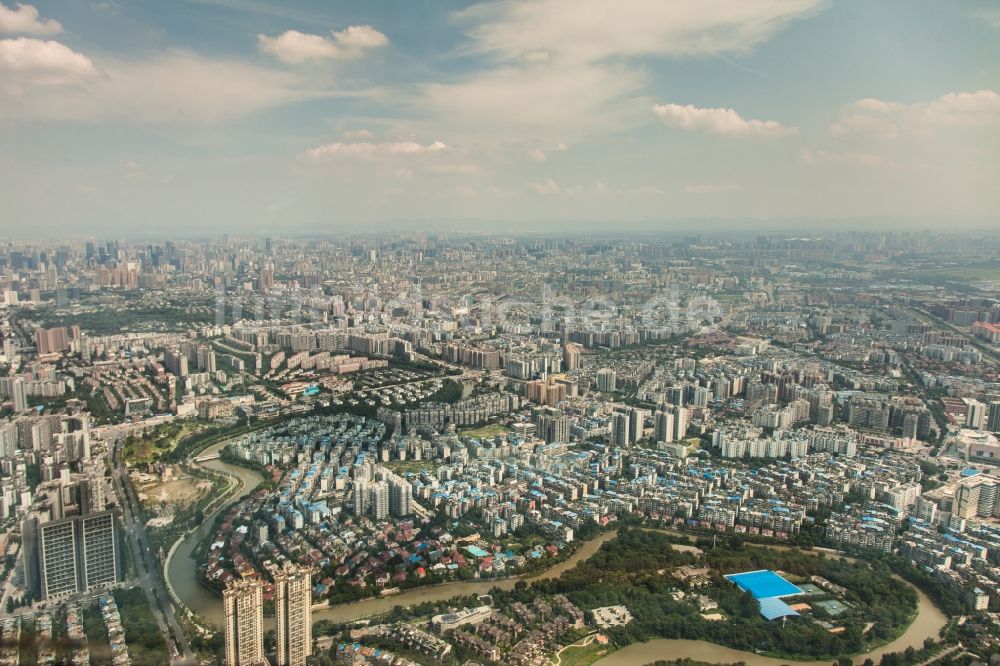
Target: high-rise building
(551, 425)
(292, 614)
(993, 418)
(74, 554)
(636, 424)
(975, 415)
(663, 426)
(400, 497)
(380, 500)
(620, 430)
(975, 497)
(680, 423)
(51, 340)
(57, 555)
(99, 547)
(243, 600)
(571, 356)
(361, 497)
(93, 494)
(20, 392)
(607, 380)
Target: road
(148, 570)
(928, 318)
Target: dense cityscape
(500, 333)
(412, 448)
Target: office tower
(400, 497)
(993, 419)
(606, 380)
(99, 546)
(57, 555)
(975, 415)
(20, 392)
(675, 396)
(663, 426)
(292, 614)
(380, 500)
(361, 497)
(243, 600)
(620, 430)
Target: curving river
(182, 574)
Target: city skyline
(265, 119)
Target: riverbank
(366, 608)
(182, 574)
(927, 624)
(183, 581)
(181, 571)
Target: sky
(193, 117)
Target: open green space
(486, 431)
(161, 440)
(583, 655)
(410, 466)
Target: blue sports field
(763, 584)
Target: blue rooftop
(773, 608)
(763, 584)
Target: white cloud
(890, 120)
(545, 187)
(297, 47)
(367, 150)
(599, 188)
(562, 70)
(46, 80)
(990, 17)
(25, 20)
(587, 31)
(26, 60)
(359, 37)
(710, 189)
(718, 121)
(545, 102)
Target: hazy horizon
(206, 116)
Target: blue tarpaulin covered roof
(773, 608)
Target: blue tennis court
(763, 584)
